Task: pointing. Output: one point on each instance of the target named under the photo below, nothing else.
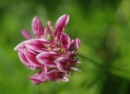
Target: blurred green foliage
(104, 29)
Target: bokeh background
(104, 29)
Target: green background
(104, 29)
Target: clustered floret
(52, 51)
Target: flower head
(52, 51)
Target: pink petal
(75, 44)
(38, 45)
(47, 58)
(26, 34)
(23, 59)
(37, 26)
(20, 46)
(65, 41)
(61, 22)
(31, 57)
(38, 78)
(65, 79)
(57, 35)
(44, 68)
(46, 33)
(64, 64)
(75, 69)
(54, 75)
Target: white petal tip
(78, 62)
(75, 69)
(65, 79)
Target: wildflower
(52, 51)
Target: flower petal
(75, 44)
(65, 41)
(20, 46)
(75, 69)
(61, 22)
(26, 34)
(31, 57)
(64, 64)
(37, 26)
(65, 79)
(78, 62)
(47, 58)
(38, 45)
(54, 75)
(23, 59)
(46, 33)
(38, 78)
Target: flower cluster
(52, 51)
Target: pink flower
(52, 51)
